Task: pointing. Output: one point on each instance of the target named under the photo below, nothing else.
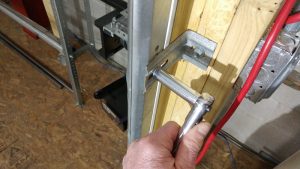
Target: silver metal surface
(186, 47)
(201, 103)
(148, 24)
(139, 42)
(170, 22)
(293, 79)
(281, 60)
(155, 106)
(195, 116)
(169, 29)
(118, 27)
(32, 26)
(176, 86)
(163, 14)
(190, 46)
(89, 23)
(58, 11)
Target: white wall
(272, 125)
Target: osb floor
(41, 128)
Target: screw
(199, 53)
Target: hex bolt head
(199, 53)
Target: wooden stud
(49, 10)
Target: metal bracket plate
(193, 48)
(118, 27)
(281, 60)
(190, 47)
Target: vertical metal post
(91, 38)
(155, 106)
(58, 11)
(166, 44)
(170, 22)
(150, 22)
(89, 23)
(139, 46)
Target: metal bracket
(190, 47)
(119, 27)
(110, 43)
(197, 50)
(281, 60)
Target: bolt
(199, 53)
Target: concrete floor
(41, 128)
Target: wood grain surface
(49, 10)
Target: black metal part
(110, 45)
(113, 96)
(58, 81)
(117, 4)
(114, 101)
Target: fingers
(191, 145)
(166, 135)
(153, 151)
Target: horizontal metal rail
(42, 33)
(36, 64)
(201, 103)
(176, 86)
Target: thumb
(190, 146)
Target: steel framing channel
(91, 39)
(89, 22)
(62, 44)
(43, 33)
(176, 86)
(91, 36)
(58, 11)
(150, 24)
(167, 42)
(58, 81)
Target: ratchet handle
(195, 116)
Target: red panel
(36, 11)
(33, 9)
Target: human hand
(154, 150)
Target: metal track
(42, 33)
(36, 64)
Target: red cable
(276, 28)
(293, 18)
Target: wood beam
(49, 10)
